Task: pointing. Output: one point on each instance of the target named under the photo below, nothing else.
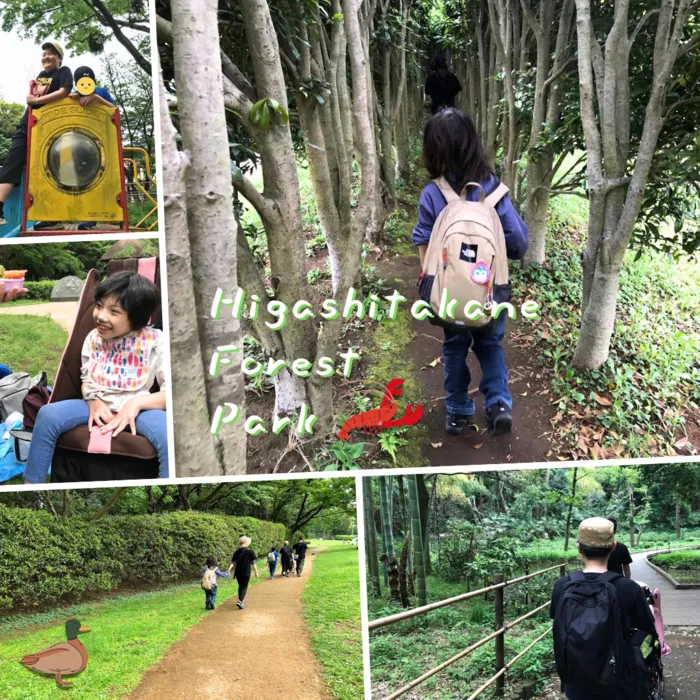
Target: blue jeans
(211, 597)
(4, 371)
(273, 566)
(54, 419)
(488, 350)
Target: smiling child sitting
(122, 358)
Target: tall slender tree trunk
(567, 529)
(387, 531)
(371, 537)
(678, 518)
(211, 223)
(417, 538)
(630, 496)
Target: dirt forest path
(531, 410)
(234, 653)
(62, 312)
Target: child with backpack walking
(465, 197)
(210, 582)
(595, 613)
(272, 558)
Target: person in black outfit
(300, 550)
(441, 85)
(620, 559)
(287, 560)
(242, 562)
(595, 543)
(53, 83)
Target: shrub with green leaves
(40, 291)
(687, 561)
(45, 560)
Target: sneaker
(454, 423)
(86, 225)
(240, 604)
(3, 221)
(45, 225)
(499, 420)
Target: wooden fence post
(562, 568)
(500, 640)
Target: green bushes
(344, 538)
(44, 560)
(40, 291)
(687, 561)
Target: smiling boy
(53, 83)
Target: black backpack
(590, 648)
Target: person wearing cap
(596, 541)
(53, 83)
(242, 562)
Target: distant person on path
(300, 550)
(272, 558)
(451, 149)
(441, 85)
(620, 559)
(53, 83)
(594, 613)
(209, 581)
(242, 562)
(287, 559)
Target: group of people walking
(243, 565)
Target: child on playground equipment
(86, 93)
(451, 149)
(122, 359)
(209, 581)
(53, 83)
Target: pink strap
(147, 268)
(100, 443)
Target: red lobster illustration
(380, 418)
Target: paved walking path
(678, 607)
(239, 654)
(62, 312)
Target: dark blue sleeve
(514, 229)
(104, 94)
(218, 572)
(426, 220)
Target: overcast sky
(21, 62)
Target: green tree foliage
(10, 114)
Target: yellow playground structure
(78, 171)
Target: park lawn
(31, 344)
(331, 601)
(129, 635)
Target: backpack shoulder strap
(446, 189)
(609, 576)
(577, 576)
(497, 195)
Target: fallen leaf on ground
(682, 443)
(524, 394)
(478, 446)
(602, 400)
(436, 444)
(435, 362)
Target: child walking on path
(451, 150)
(272, 558)
(209, 581)
(242, 562)
(122, 358)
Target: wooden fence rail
(498, 635)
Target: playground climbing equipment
(77, 172)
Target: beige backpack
(209, 579)
(466, 257)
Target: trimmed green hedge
(688, 560)
(39, 290)
(344, 538)
(45, 560)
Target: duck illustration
(64, 658)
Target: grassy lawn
(331, 602)
(129, 634)
(31, 344)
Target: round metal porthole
(75, 160)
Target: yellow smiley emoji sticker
(85, 86)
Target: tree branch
(641, 24)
